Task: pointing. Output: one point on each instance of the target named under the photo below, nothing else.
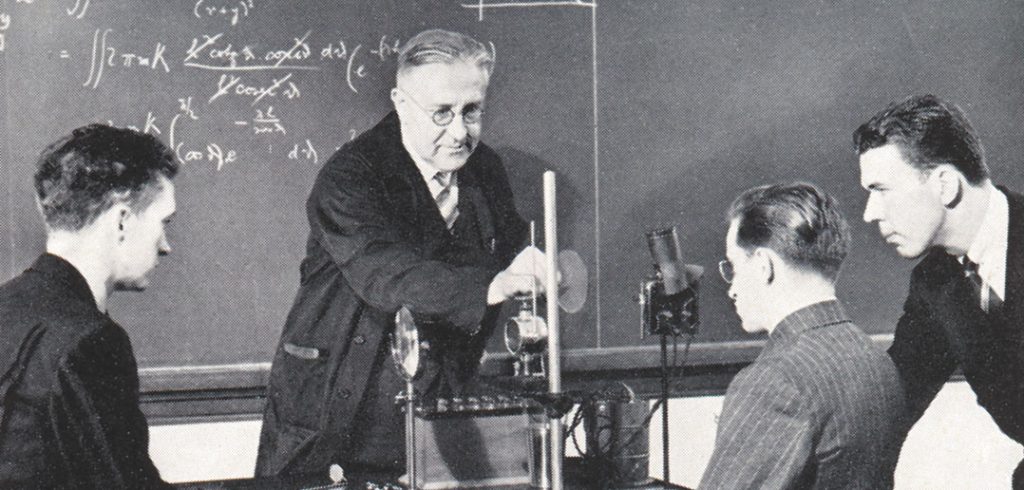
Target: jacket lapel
(409, 193)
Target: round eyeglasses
(726, 270)
(471, 114)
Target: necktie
(987, 298)
(447, 198)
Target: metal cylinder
(554, 335)
(618, 442)
(410, 435)
(539, 440)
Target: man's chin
(134, 285)
(910, 253)
(450, 165)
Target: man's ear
(765, 261)
(114, 221)
(951, 185)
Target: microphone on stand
(664, 245)
(669, 297)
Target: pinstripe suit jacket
(819, 408)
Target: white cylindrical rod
(410, 434)
(554, 338)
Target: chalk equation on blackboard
(481, 5)
(104, 56)
(78, 10)
(233, 84)
(232, 10)
(217, 53)
(5, 23)
(265, 122)
(235, 59)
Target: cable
(677, 370)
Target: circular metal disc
(572, 293)
(405, 344)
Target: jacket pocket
(301, 387)
(292, 444)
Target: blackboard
(652, 113)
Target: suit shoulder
(488, 155)
(26, 303)
(934, 268)
(488, 160)
(764, 374)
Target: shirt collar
(988, 249)
(827, 312)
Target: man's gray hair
(447, 47)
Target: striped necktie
(447, 198)
(987, 298)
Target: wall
(956, 445)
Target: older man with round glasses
(414, 212)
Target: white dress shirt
(989, 247)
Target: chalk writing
(232, 84)
(104, 56)
(482, 5)
(233, 11)
(186, 152)
(79, 9)
(353, 70)
(5, 23)
(386, 49)
(334, 52)
(265, 122)
(207, 54)
(185, 106)
(360, 71)
(304, 152)
(298, 52)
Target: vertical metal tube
(664, 408)
(554, 336)
(410, 434)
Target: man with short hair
(930, 193)
(415, 212)
(69, 387)
(819, 405)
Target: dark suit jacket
(69, 391)
(818, 408)
(943, 327)
(377, 242)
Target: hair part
(446, 47)
(82, 175)
(798, 221)
(928, 132)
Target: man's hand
(525, 274)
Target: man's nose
(871, 211)
(164, 247)
(457, 129)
